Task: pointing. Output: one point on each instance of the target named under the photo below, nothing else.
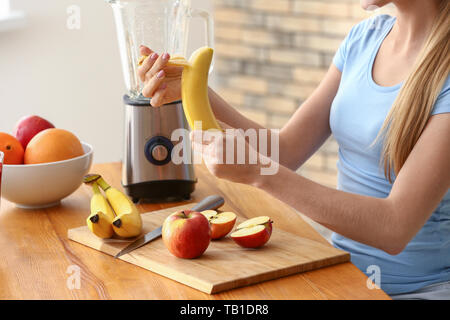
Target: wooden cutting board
(224, 265)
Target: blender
(148, 172)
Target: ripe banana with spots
(127, 221)
(102, 215)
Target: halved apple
(262, 220)
(253, 233)
(221, 223)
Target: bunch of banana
(116, 214)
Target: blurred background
(71, 76)
(270, 55)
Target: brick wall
(271, 54)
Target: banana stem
(90, 178)
(95, 188)
(102, 183)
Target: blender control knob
(160, 152)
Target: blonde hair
(411, 109)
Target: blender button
(160, 152)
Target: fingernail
(166, 56)
(160, 74)
(163, 86)
(154, 56)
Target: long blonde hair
(411, 110)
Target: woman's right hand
(162, 83)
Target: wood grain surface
(38, 260)
(224, 265)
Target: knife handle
(209, 203)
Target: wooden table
(36, 256)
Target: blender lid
(141, 101)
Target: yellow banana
(102, 215)
(194, 87)
(128, 221)
(194, 90)
(175, 60)
(179, 61)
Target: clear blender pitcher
(162, 25)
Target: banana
(194, 90)
(102, 215)
(128, 221)
(194, 87)
(175, 60)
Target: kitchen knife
(209, 203)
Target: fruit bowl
(44, 185)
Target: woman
(386, 100)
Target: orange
(53, 145)
(12, 149)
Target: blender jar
(162, 25)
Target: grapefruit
(53, 145)
(11, 148)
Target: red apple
(221, 223)
(253, 233)
(186, 234)
(28, 127)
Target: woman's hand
(162, 83)
(228, 155)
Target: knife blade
(209, 203)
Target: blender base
(160, 191)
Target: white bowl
(44, 185)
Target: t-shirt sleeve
(442, 104)
(357, 31)
(341, 54)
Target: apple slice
(253, 233)
(209, 213)
(221, 223)
(262, 220)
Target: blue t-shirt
(357, 114)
